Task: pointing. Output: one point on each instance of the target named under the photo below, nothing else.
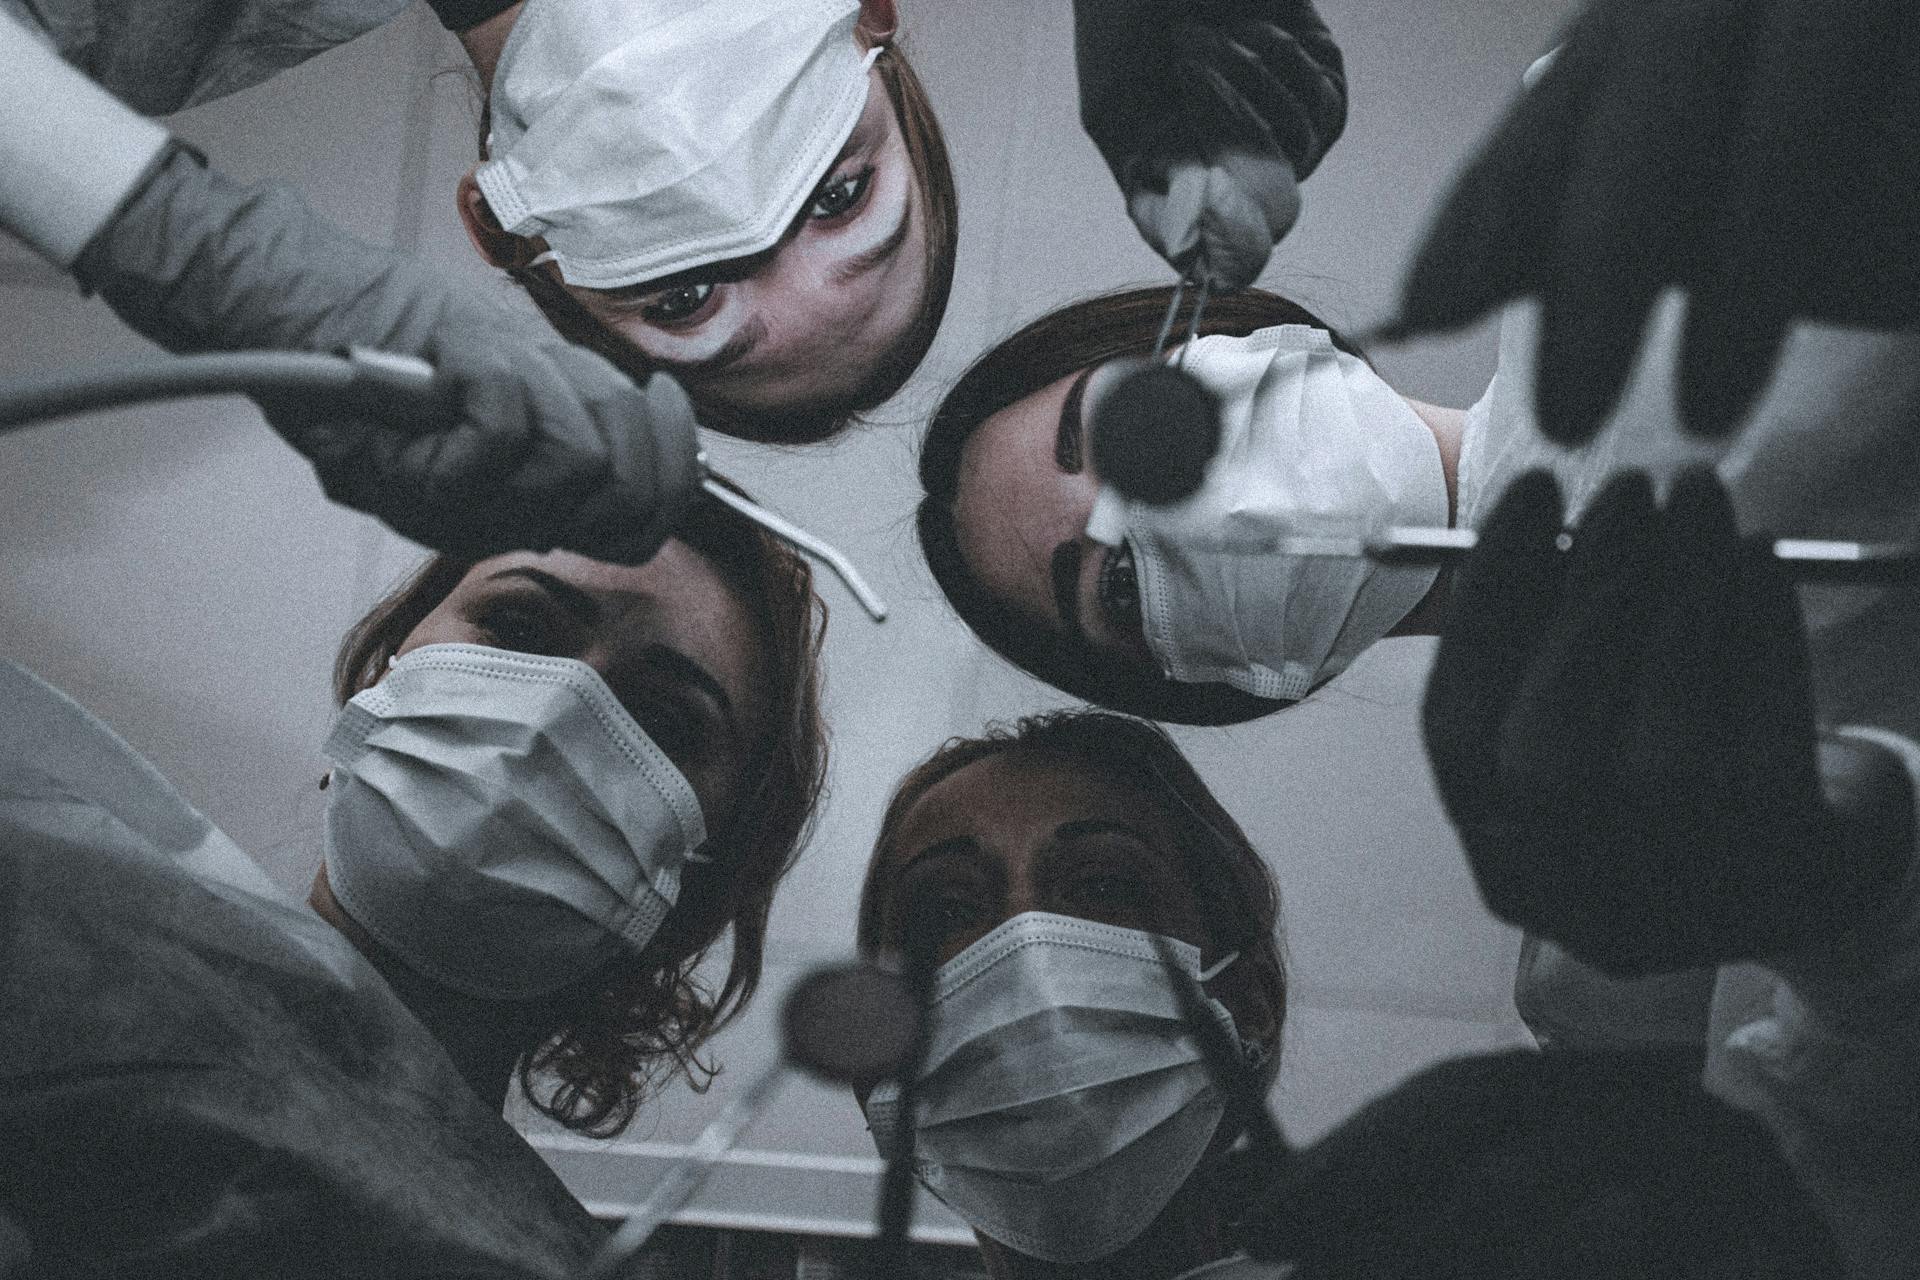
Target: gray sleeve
(161, 56)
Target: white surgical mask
(1062, 1102)
(1313, 443)
(646, 137)
(499, 821)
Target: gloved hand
(546, 445)
(1519, 1164)
(1760, 154)
(1209, 123)
(1623, 735)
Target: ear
(500, 247)
(879, 20)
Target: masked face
(521, 795)
(810, 319)
(672, 639)
(1041, 878)
(724, 185)
(1204, 591)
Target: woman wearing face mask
(1064, 1113)
(781, 238)
(1138, 618)
(1032, 864)
(556, 782)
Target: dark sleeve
(462, 15)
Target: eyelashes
(839, 197)
(680, 305)
(1117, 590)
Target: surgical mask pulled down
(500, 822)
(1062, 1102)
(626, 135)
(1313, 443)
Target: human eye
(950, 906)
(677, 305)
(673, 724)
(1117, 590)
(1107, 894)
(839, 196)
(522, 626)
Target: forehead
(1013, 505)
(1011, 801)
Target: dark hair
(1232, 886)
(626, 1030)
(810, 423)
(1060, 343)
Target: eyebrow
(579, 603)
(1099, 826)
(861, 263)
(942, 848)
(732, 352)
(1066, 444)
(583, 606)
(1065, 568)
(680, 665)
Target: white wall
(177, 569)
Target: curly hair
(615, 1038)
(807, 424)
(1075, 337)
(1233, 889)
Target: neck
(484, 42)
(484, 1038)
(1448, 427)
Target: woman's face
(1025, 488)
(810, 319)
(1019, 831)
(672, 640)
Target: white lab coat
(199, 1076)
(1825, 1048)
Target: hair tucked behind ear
(619, 1035)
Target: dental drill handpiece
(1155, 430)
(848, 1024)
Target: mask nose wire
(799, 538)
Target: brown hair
(808, 424)
(625, 1031)
(1232, 886)
(1060, 343)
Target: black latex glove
(1209, 115)
(1762, 154)
(1624, 737)
(543, 443)
(1521, 1165)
